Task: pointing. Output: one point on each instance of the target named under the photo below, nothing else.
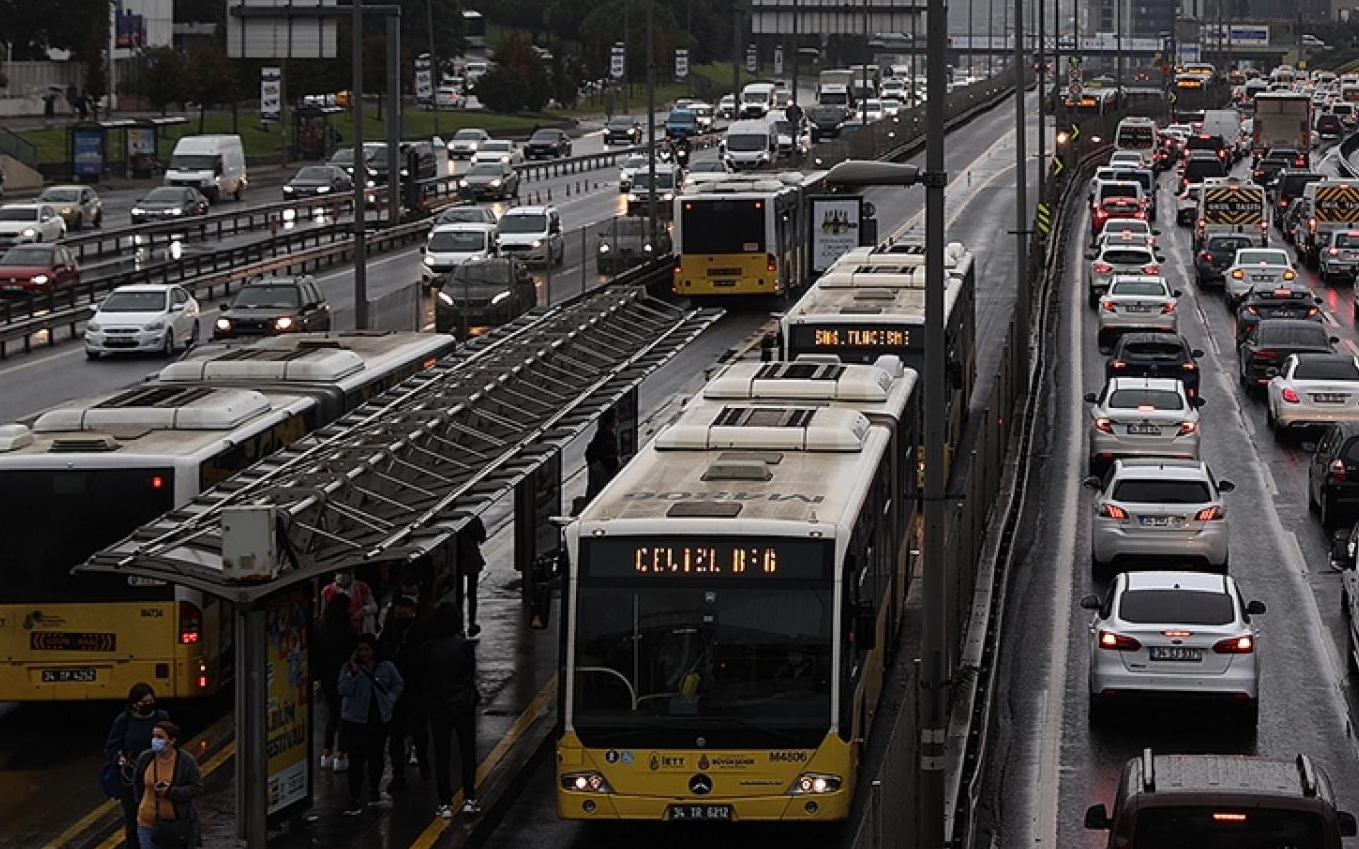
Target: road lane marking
(963, 176)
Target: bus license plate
(724, 284)
(81, 675)
(694, 813)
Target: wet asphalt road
(1048, 763)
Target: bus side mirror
(1348, 827)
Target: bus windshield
(39, 506)
(661, 658)
(722, 226)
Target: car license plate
(1284, 314)
(1144, 430)
(1329, 397)
(1137, 308)
(1161, 521)
(1180, 653)
(693, 813)
(79, 675)
(1262, 278)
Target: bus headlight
(815, 784)
(585, 782)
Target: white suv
(533, 234)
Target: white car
(726, 106)
(1185, 635)
(1158, 508)
(448, 97)
(141, 318)
(1254, 267)
(1128, 159)
(1340, 261)
(450, 245)
(870, 110)
(1187, 204)
(1313, 389)
(707, 171)
(1114, 260)
(30, 222)
(533, 234)
(1127, 231)
(891, 106)
(466, 143)
(1142, 417)
(1138, 302)
(629, 169)
(499, 150)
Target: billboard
(271, 94)
(87, 151)
(1235, 34)
(264, 29)
(835, 227)
(288, 701)
(835, 17)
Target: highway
(1049, 763)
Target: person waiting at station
(470, 563)
(369, 689)
(363, 606)
(170, 781)
(451, 699)
(601, 455)
(334, 645)
(129, 736)
(403, 643)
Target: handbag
(111, 780)
(170, 834)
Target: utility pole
(360, 173)
(736, 59)
(990, 38)
(1021, 202)
(394, 115)
(650, 127)
(796, 49)
(863, 107)
(627, 69)
(1118, 30)
(1042, 101)
(435, 75)
(971, 33)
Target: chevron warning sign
(1043, 218)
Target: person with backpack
(369, 689)
(451, 700)
(129, 736)
(403, 642)
(168, 781)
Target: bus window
(723, 226)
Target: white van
(750, 144)
(215, 165)
(450, 245)
(756, 100)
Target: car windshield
(621, 124)
(313, 172)
(1346, 240)
(1261, 257)
(822, 114)
(1228, 243)
(1153, 351)
(457, 241)
(458, 214)
(1138, 287)
(626, 225)
(18, 213)
(1303, 334)
(1126, 257)
(498, 146)
(682, 117)
(535, 222)
(343, 156)
(1119, 190)
(1161, 491)
(1182, 827)
(165, 194)
(545, 136)
(634, 162)
(467, 135)
(1157, 399)
(489, 169)
(1326, 369)
(483, 272)
(664, 180)
(134, 302)
(281, 297)
(1176, 607)
(754, 97)
(785, 128)
(747, 142)
(60, 195)
(28, 256)
(711, 166)
(195, 162)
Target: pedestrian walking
(128, 737)
(369, 689)
(71, 94)
(334, 645)
(601, 455)
(49, 105)
(403, 643)
(469, 566)
(82, 106)
(363, 606)
(170, 781)
(451, 700)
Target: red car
(1115, 207)
(31, 269)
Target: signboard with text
(424, 84)
(618, 59)
(87, 151)
(835, 227)
(752, 59)
(682, 63)
(271, 94)
(288, 690)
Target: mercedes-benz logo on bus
(700, 785)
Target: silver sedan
(77, 205)
(1152, 508)
(1142, 417)
(1113, 260)
(1142, 302)
(1313, 389)
(1254, 267)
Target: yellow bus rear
(726, 246)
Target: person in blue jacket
(128, 737)
(368, 693)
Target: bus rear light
(771, 263)
(585, 782)
(202, 679)
(190, 623)
(157, 482)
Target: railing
(15, 145)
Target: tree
(164, 80)
(516, 54)
(503, 89)
(211, 80)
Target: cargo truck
(1282, 119)
(833, 87)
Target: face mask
(145, 710)
(159, 744)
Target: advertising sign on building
(681, 63)
(271, 94)
(752, 59)
(618, 61)
(835, 229)
(288, 693)
(87, 151)
(424, 84)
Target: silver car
(1114, 260)
(1313, 389)
(1187, 204)
(1176, 636)
(1141, 302)
(1142, 417)
(1340, 260)
(1254, 267)
(628, 170)
(1159, 509)
(77, 205)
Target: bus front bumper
(824, 807)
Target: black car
(622, 130)
(317, 181)
(1288, 187)
(1329, 127)
(1155, 355)
(1333, 475)
(1295, 157)
(1268, 302)
(826, 121)
(1268, 344)
(491, 180)
(626, 243)
(267, 306)
(1266, 171)
(1289, 222)
(1201, 165)
(483, 293)
(1217, 255)
(167, 203)
(1203, 141)
(548, 144)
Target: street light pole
(436, 76)
(650, 128)
(360, 173)
(1021, 200)
(1042, 101)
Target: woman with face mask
(128, 737)
(363, 606)
(369, 689)
(168, 780)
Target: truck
(1282, 119)
(1331, 207)
(833, 87)
(1231, 205)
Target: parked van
(756, 100)
(215, 165)
(750, 144)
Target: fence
(33, 79)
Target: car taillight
(1167, 309)
(1338, 470)
(1206, 257)
(1222, 154)
(1283, 201)
(1244, 644)
(1140, 215)
(1201, 223)
(676, 270)
(1238, 274)
(1313, 311)
(1333, 252)
(1208, 514)
(1102, 268)
(1116, 364)
(1190, 366)
(1113, 511)
(1300, 162)
(190, 623)
(1290, 395)
(1187, 428)
(1152, 268)
(1266, 354)
(1114, 641)
(1252, 310)
(1103, 424)
(1107, 306)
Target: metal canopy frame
(402, 474)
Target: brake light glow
(1244, 644)
(1151, 268)
(1219, 817)
(1208, 514)
(1187, 428)
(676, 270)
(1333, 252)
(1290, 395)
(1113, 641)
(1252, 310)
(1167, 309)
(1108, 306)
(1113, 511)
(1118, 364)
(190, 623)
(1338, 470)
(1266, 354)
(1103, 424)
(1178, 635)
(157, 482)
(1102, 268)
(1238, 274)
(1189, 367)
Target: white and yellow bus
(731, 598)
(88, 473)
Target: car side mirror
(1196, 353)
(1348, 826)
(1176, 293)
(1155, 232)
(1092, 483)
(1091, 398)
(1335, 340)
(1319, 300)
(226, 305)
(1090, 602)
(1255, 608)
(1196, 402)
(1097, 818)
(1225, 486)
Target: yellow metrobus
(731, 599)
(88, 473)
(748, 236)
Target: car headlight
(504, 159)
(464, 183)
(500, 298)
(429, 260)
(30, 232)
(647, 247)
(537, 243)
(320, 190)
(223, 324)
(668, 196)
(814, 783)
(137, 210)
(446, 298)
(632, 196)
(586, 782)
(283, 322)
(287, 190)
(65, 210)
(371, 184)
(158, 324)
(495, 184)
(175, 211)
(41, 279)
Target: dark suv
(1270, 302)
(1217, 254)
(625, 242)
(1288, 187)
(1333, 475)
(483, 293)
(1223, 800)
(1264, 348)
(1329, 127)
(548, 144)
(1155, 355)
(1200, 165)
(269, 305)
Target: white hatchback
(150, 317)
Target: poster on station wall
(835, 228)
(288, 702)
(87, 151)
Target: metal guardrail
(15, 145)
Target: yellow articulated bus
(731, 599)
(871, 302)
(88, 473)
(745, 236)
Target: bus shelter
(125, 147)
